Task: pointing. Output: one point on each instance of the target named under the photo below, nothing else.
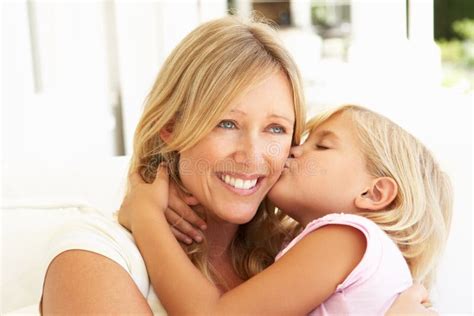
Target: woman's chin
(238, 214)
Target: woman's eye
(227, 125)
(277, 129)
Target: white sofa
(37, 197)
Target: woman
(223, 114)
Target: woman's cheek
(279, 153)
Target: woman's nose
(250, 152)
(296, 151)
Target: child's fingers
(186, 212)
(179, 202)
(180, 236)
(180, 224)
(188, 199)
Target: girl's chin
(276, 191)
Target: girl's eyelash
(321, 147)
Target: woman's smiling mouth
(241, 184)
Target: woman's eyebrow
(270, 116)
(238, 112)
(282, 117)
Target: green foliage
(464, 28)
(458, 56)
(451, 51)
(459, 52)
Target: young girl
(375, 208)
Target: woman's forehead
(273, 96)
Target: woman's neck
(219, 236)
(219, 233)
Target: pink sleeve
(373, 253)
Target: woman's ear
(166, 132)
(379, 195)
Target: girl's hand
(144, 199)
(410, 302)
(186, 225)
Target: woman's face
(231, 170)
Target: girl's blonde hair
(419, 218)
(209, 68)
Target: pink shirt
(376, 281)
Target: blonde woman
(393, 206)
(223, 113)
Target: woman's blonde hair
(209, 68)
(419, 218)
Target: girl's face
(231, 170)
(324, 175)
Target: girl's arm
(297, 283)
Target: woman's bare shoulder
(79, 281)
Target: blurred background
(75, 75)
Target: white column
(426, 55)
(211, 9)
(378, 20)
(379, 46)
(243, 7)
(300, 12)
(147, 32)
(421, 20)
(17, 78)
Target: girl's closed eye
(321, 147)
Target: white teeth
(239, 183)
(247, 184)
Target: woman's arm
(83, 282)
(295, 284)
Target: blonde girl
(393, 207)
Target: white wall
(56, 79)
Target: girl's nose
(296, 151)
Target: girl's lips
(242, 192)
(288, 163)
